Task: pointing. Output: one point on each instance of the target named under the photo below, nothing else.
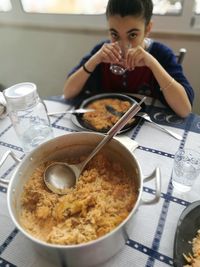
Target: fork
(147, 118)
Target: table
(151, 241)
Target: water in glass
(186, 169)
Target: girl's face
(129, 30)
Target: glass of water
(186, 169)
(120, 68)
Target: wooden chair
(180, 55)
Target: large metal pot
(97, 251)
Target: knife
(71, 111)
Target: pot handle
(3, 159)
(155, 174)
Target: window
(163, 7)
(65, 6)
(197, 7)
(5, 5)
(170, 16)
(195, 20)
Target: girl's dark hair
(140, 8)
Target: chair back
(180, 56)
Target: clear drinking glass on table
(120, 68)
(186, 169)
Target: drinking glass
(186, 169)
(119, 68)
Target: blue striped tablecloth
(151, 240)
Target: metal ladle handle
(115, 129)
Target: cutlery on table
(147, 118)
(114, 111)
(72, 111)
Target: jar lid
(21, 95)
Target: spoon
(60, 176)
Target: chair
(1, 87)
(180, 55)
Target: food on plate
(102, 118)
(194, 260)
(102, 198)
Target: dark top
(139, 81)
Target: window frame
(177, 24)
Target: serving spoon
(60, 176)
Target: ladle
(60, 176)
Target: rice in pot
(102, 198)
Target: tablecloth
(151, 240)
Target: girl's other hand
(138, 57)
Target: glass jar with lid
(28, 114)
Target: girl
(152, 68)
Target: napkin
(3, 109)
(127, 142)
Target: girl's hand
(138, 57)
(109, 53)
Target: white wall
(45, 55)
(40, 56)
